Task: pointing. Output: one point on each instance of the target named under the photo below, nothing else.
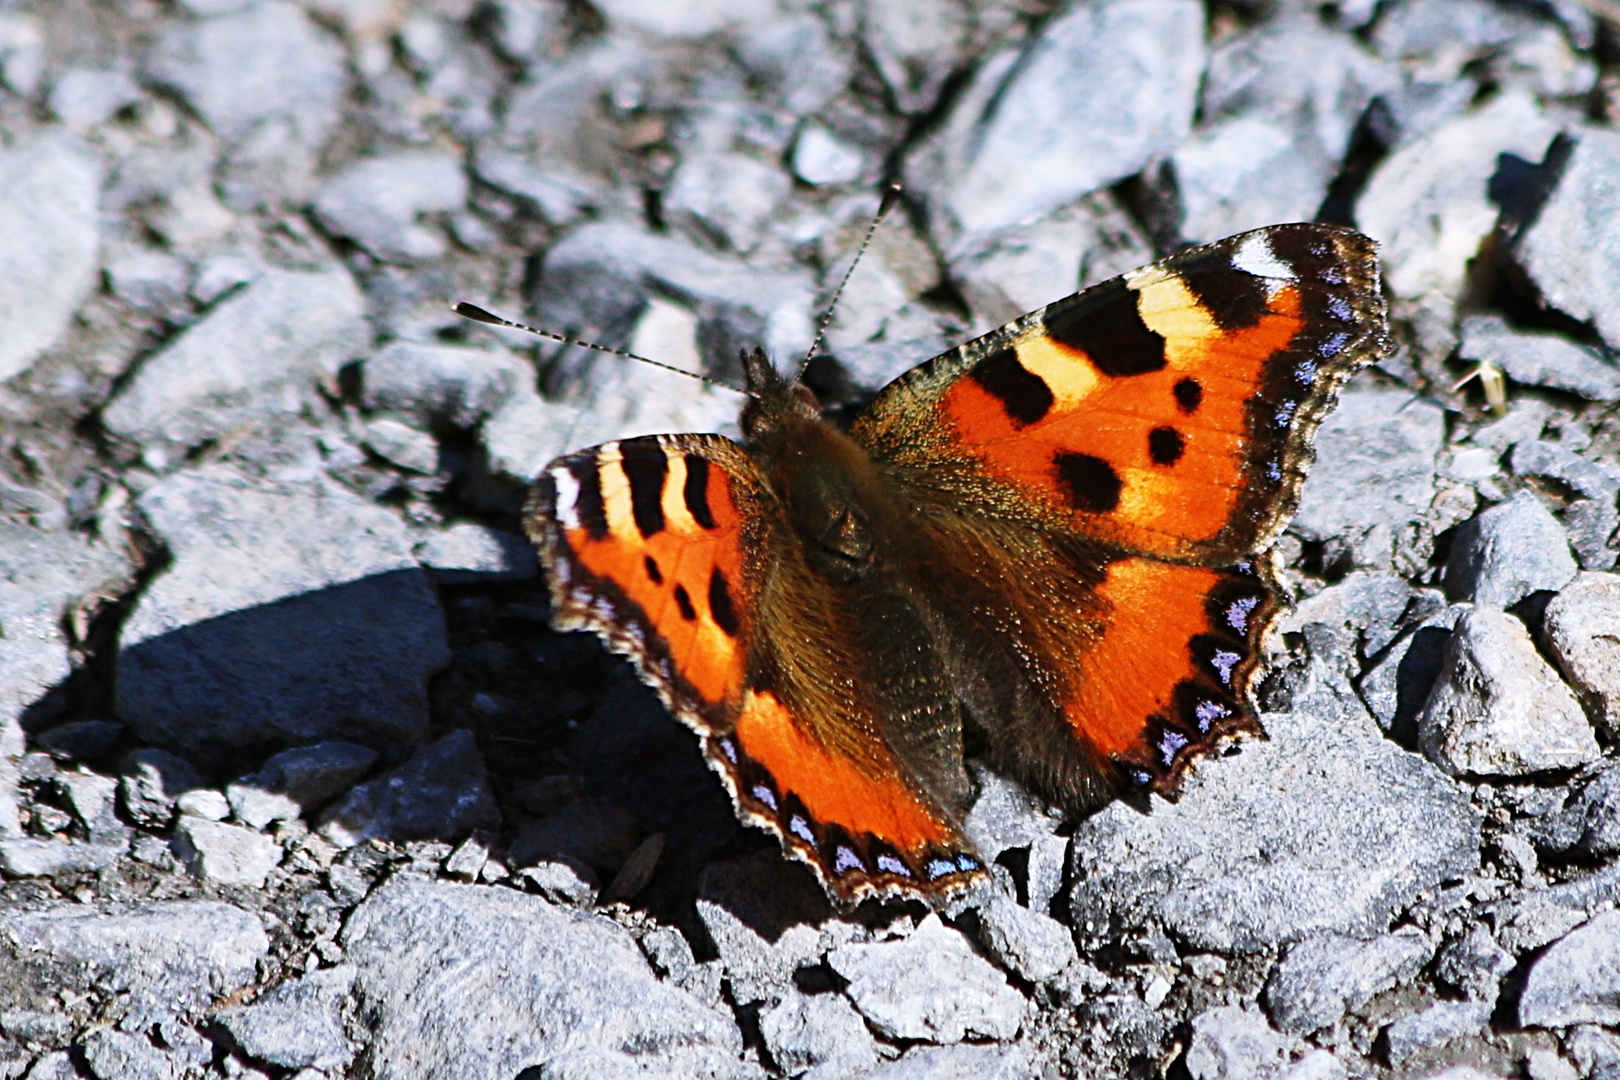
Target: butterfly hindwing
(671, 548)
(1166, 412)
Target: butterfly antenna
(478, 314)
(891, 195)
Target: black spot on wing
(1090, 483)
(655, 575)
(683, 600)
(1189, 395)
(588, 505)
(720, 605)
(1023, 394)
(696, 491)
(646, 467)
(1165, 445)
(1234, 298)
(1103, 322)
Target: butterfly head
(772, 398)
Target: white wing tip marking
(1255, 256)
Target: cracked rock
(1538, 358)
(808, 1031)
(930, 986)
(224, 854)
(299, 1024)
(295, 782)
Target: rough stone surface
(1026, 942)
(51, 222)
(1375, 472)
(173, 955)
(1009, 152)
(379, 202)
(1498, 708)
(929, 986)
(1434, 1026)
(299, 1024)
(567, 980)
(1322, 978)
(1539, 359)
(1571, 250)
(287, 613)
(816, 1031)
(255, 358)
(1326, 827)
(1427, 204)
(115, 1055)
(1229, 1042)
(1507, 553)
(442, 793)
(222, 854)
(1577, 981)
(295, 782)
(1582, 629)
(764, 935)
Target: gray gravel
(296, 782)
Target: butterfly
(1043, 543)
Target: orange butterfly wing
(1166, 412)
(1165, 419)
(666, 546)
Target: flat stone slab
(1325, 826)
(481, 982)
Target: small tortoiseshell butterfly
(1043, 538)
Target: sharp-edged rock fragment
(1498, 708)
(1507, 553)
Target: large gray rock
(1474, 964)
(729, 197)
(1437, 1025)
(1027, 942)
(299, 1024)
(117, 1055)
(222, 854)
(174, 956)
(255, 359)
(1322, 978)
(1242, 173)
(51, 224)
(1538, 358)
(238, 69)
(808, 1031)
(1374, 472)
(477, 982)
(1230, 1042)
(443, 383)
(290, 612)
(1427, 204)
(1577, 981)
(440, 794)
(1591, 518)
(1507, 553)
(930, 986)
(1498, 708)
(1019, 269)
(1103, 89)
(151, 781)
(43, 576)
(1571, 250)
(378, 203)
(1582, 629)
(1325, 827)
